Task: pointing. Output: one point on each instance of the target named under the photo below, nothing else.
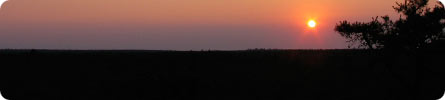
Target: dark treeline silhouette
(417, 27)
(210, 75)
(420, 28)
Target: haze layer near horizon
(181, 24)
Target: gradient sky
(181, 24)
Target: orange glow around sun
(312, 23)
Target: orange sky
(180, 24)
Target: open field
(221, 75)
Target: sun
(312, 23)
(1, 2)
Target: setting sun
(311, 23)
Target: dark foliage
(419, 27)
(218, 75)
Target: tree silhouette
(419, 26)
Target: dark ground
(222, 75)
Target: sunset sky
(181, 24)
